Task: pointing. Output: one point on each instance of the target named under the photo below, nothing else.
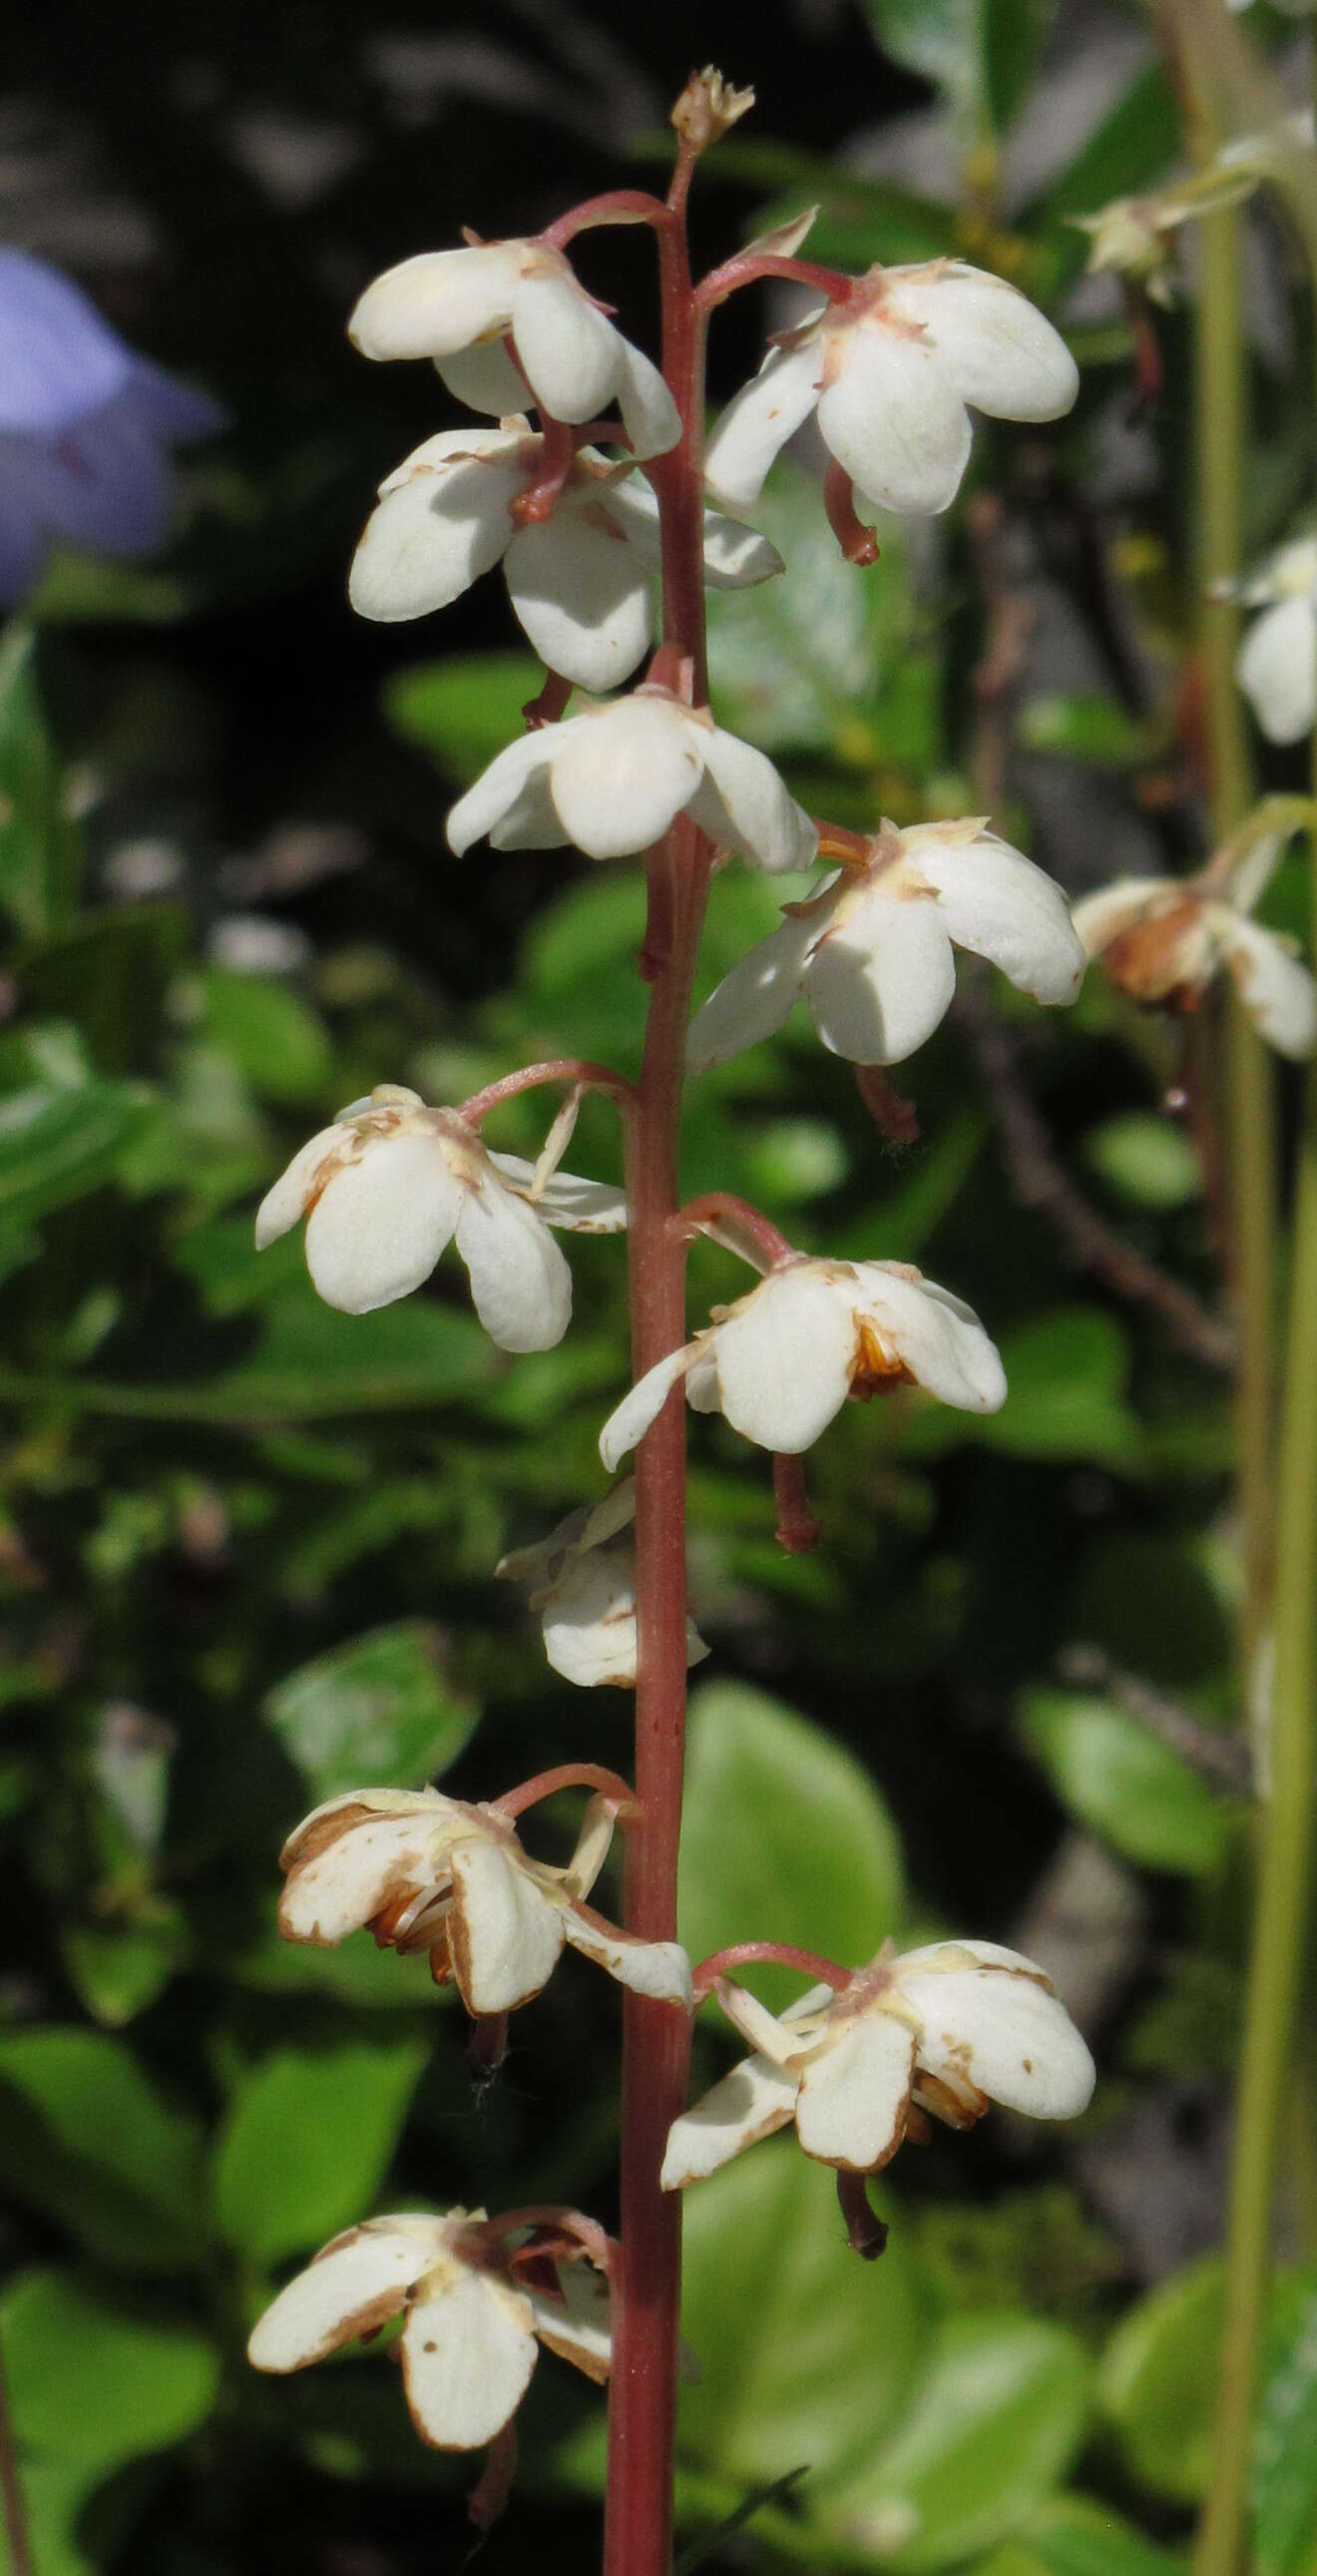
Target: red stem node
(748, 267)
(615, 206)
(570, 1775)
(734, 1223)
(780, 1954)
(530, 1077)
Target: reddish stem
(866, 2232)
(558, 1068)
(656, 2036)
(748, 266)
(566, 1775)
(615, 206)
(797, 1530)
(725, 1217)
(858, 543)
(779, 1954)
(537, 501)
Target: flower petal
(660, 1969)
(622, 773)
(1003, 2031)
(582, 597)
(1277, 669)
(364, 1868)
(1000, 351)
(485, 377)
(760, 419)
(467, 2357)
(1100, 917)
(784, 1358)
(749, 2104)
(1275, 986)
(855, 2093)
(999, 904)
(570, 351)
(894, 420)
(352, 2288)
(442, 522)
(578, 1206)
(438, 301)
(520, 1283)
(642, 1404)
(940, 1339)
(755, 998)
(576, 2326)
(283, 1205)
(504, 1933)
(500, 789)
(882, 975)
(589, 1620)
(736, 557)
(379, 1226)
(649, 414)
(759, 817)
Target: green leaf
(57, 1144)
(1158, 2380)
(1112, 1774)
(1285, 2450)
(1094, 729)
(94, 2382)
(802, 2348)
(997, 2414)
(710, 2546)
(307, 2144)
(275, 1037)
(118, 1969)
(85, 2137)
(464, 709)
(1145, 1160)
(1137, 140)
(40, 845)
(377, 1711)
(784, 1837)
(109, 975)
(980, 53)
(1067, 1376)
(1071, 2536)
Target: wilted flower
(872, 951)
(468, 2343)
(1277, 662)
(585, 1578)
(461, 307)
(945, 2029)
(1164, 940)
(85, 428)
(1134, 235)
(782, 1361)
(580, 581)
(439, 1874)
(890, 372)
(613, 779)
(391, 1183)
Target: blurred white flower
(584, 1575)
(1277, 663)
(459, 307)
(468, 2343)
(613, 779)
(944, 2029)
(890, 372)
(1164, 940)
(391, 1183)
(872, 951)
(440, 1874)
(580, 581)
(781, 1362)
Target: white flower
(1164, 939)
(391, 1183)
(468, 2340)
(613, 779)
(459, 306)
(580, 581)
(585, 1578)
(890, 372)
(1277, 663)
(439, 1874)
(782, 1361)
(872, 950)
(945, 2029)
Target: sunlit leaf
(94, 2381)
(307, 2143)
(464, 709)
(1113, 1774)
(87, 2139)
(377, 1712)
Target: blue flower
(85, 429)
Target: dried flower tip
(708, 107)
(1165, 939)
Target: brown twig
(1040, 1181)
(1222, 1757)
(1009, 618)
